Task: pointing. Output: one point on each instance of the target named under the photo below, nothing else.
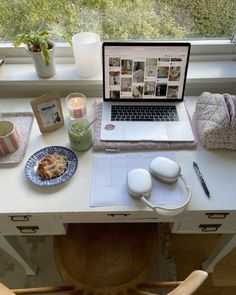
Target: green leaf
(45, 52)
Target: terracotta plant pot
(43, 70)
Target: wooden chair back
(113, 259)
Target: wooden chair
(110, 259)
(40, 290)
(186, 287)
(115, 259)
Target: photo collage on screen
(145, 78)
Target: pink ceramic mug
(9, 139)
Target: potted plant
(42, 49)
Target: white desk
(27, 209)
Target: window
(121, 19)
(208, 24)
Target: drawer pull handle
(217, 215)
(118, 214)
(17, 218)
(28, 229)
(209, 227)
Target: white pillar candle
(87, 53)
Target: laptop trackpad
(146, 131)
(179, 131)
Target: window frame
(224, 49)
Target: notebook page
(109, 180)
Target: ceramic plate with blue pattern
(32, 164)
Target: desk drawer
(199, 227)
(207, 222)
(31, 224)
(27, 218)
(115, 217)
(209, 216)
(33, 229)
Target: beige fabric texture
(215, 120)
(99, 145)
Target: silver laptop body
(141, 80)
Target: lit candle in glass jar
(76, 104)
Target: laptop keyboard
(143, 113)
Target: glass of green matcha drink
(80, 135)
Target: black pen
(196, 168)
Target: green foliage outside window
(120, 19)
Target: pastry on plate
(52, 166)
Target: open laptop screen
(144, 71)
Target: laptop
(143, 91)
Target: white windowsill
(25, 73)
(198, 72)
(212, 71)
(201, 75)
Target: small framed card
(48, 112)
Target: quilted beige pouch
(215, 119)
